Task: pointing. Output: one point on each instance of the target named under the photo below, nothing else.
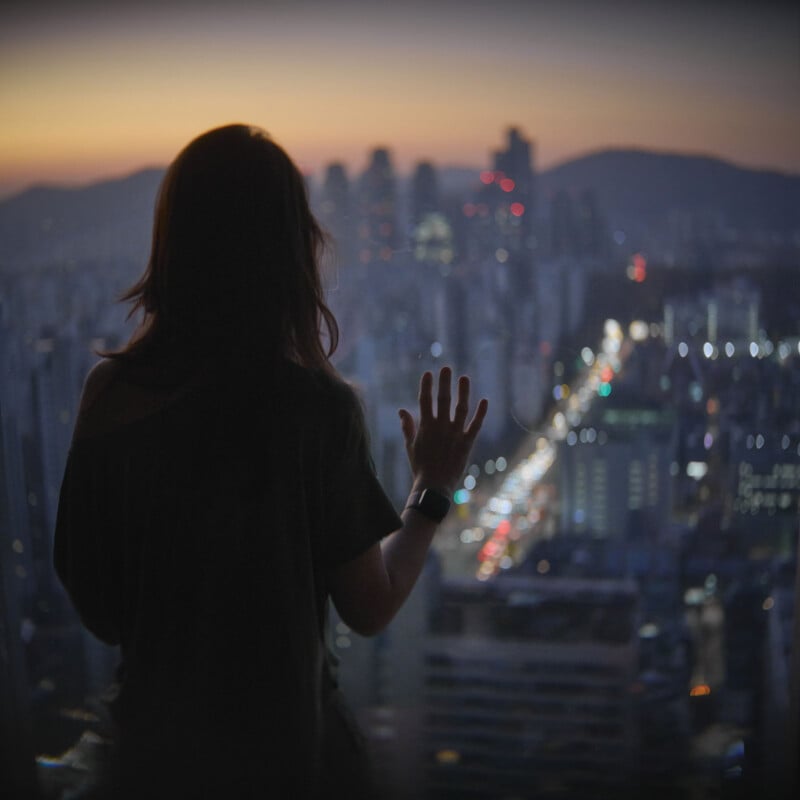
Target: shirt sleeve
(359, 513)
(83, 548)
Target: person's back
(210, 510)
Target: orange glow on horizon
(92, 97)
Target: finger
(443, 400)
(407, 426)
(477, 420)
(462, 404)
(426, 397)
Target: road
(500, 517)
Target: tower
(377, 232)
(336, 214)
(424, 192)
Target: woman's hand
(369, 590)
(438, 447)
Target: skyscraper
(424, 192)
(615, 471)
(527, 688)
(377, 231)
(336, 212)
(516, 164)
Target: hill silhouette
(105, 220)
(649, 186)
(634, 188)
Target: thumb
(407, 425)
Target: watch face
(434, 504)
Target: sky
(94, 90)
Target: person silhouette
(219, 491)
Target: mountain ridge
(633, 187)
(655, 184)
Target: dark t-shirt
(198, 538)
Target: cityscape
(608, 610)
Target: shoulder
(342, 399)
(100, 377)
(334, 405)
(345, 414)
(326, 389)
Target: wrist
(431, 502)
(422, 481)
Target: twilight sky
(90, 90)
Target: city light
(649, 631)
(639, 330)
(448, 756)
(637, 269)
(696, 469)
(461, 496)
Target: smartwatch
(433, 504)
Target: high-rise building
(424, 192)
(515, 163)
(377, 231)
(16, 742)
(615, 471)
(518, 686)
(727, 316)
(527, 688)
(497, 242)
(777, 683)
(763, 478)
(500, 215)
(336, 213)
(430, 231)
(563, 228)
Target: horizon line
(407, 173)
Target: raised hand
(370, 589)
(438, 447)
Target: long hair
(234, 264)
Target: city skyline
(93, 92)
(614, 584)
